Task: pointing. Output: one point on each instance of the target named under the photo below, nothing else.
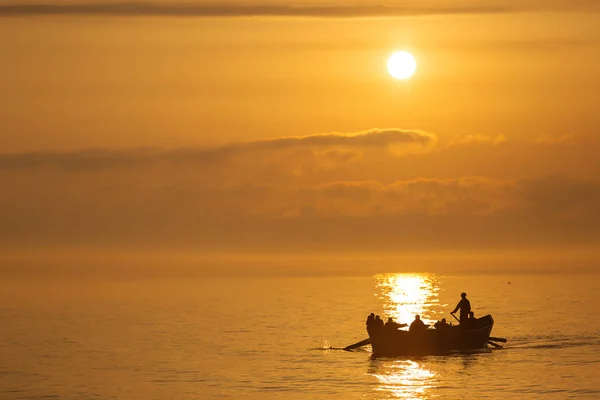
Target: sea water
(279, 337)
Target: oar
(497, 339)
(495, 345)
(455, 317)
(358, 344)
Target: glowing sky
(270, 125)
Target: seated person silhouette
(378, 322)
(370, 319)
(417, 325)
(441, 324)
(390, 324)
(471, 320)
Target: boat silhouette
(387, 342)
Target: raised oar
(497, 339)
(358, 344)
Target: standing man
(465, 307)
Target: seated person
(417, 325)
(390, 324)
(470, 322)
(441, 324)
(370, 319)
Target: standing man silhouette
(465, 307)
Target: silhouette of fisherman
(465, 307)
(471, 320)
(417, 325)
(390, 324)
(441, 324)
(377, 322)
(370, 319)
(370, 323)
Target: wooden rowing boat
(394, 342)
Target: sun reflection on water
(403, 296)
(405, 379)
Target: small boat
(391, 342)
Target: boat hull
(392, 342)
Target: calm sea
(269, 338)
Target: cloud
(373, 138)
(237, 10)
(343, 147)
(421, 196)
(477, 139)
(549, 197)
(555, 140)
(559, 197)
(150, 209)
(324, 10)
(331, 189)
(315, 162)
(570, 140)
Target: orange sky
(278, 127)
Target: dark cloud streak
(103, 158)
(170, 9)
(235, 10)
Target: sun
(401, 65)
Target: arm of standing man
(457, 307)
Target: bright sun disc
(401, 65)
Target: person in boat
(390, 324)
(378, 322)
(471, 319)
(441, 324)
(370, 319)
(417, 325)
(465, 308)
(371, 323)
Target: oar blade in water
(358, 344)
(497, 339)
